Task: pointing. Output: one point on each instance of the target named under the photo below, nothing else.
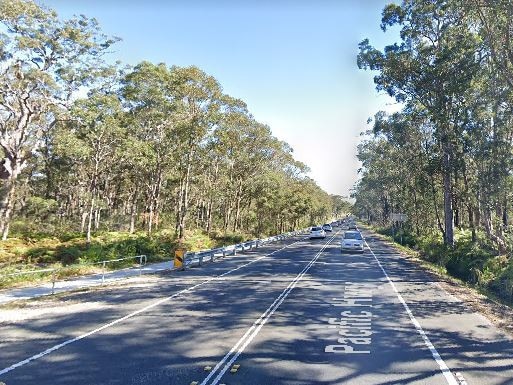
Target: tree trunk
(435, 206)
(90, 218)
(227, 215)
(153, 205)
(209, 214)
(477, 213)
(505, 217)
(456, 215)
(7, 205)
(470, 211)
(156, 217)
(489, 228)
(416, 211)
(238, 198)
(448, 210)
(133, 212)
(471, 222)
(200, 214)
(150, 218)
(83, 223)
(97, 219)
(178, 208)
(185, 202)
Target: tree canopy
(445, 159)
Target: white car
(352, 241)
(317, 232)
(327, 227)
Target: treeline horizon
(151, 146)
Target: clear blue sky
(292, 62)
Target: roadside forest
(154, 150)
(445, 159)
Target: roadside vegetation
(478, 264)
(445, 159)
(103, 160)
(72, 255)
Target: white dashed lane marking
(449, 376)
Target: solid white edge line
(251, 333)
(133, 314)
(451, 380)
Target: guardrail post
(140, 263)
(224, 252)
(235, 250)
(103, 272)
(53, 282)
(212, 256)
(201, 260)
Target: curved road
(296, 312)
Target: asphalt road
(296, 312)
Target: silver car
(317, 232)
(352, 241)
(327, 227)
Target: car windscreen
(316, 228)
(352, 236)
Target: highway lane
(306, 314)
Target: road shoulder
(500, 315)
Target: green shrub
(67, 255)
(503, 284)
(224, 239)
(493, 268)
(196, 240)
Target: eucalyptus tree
(487, 151)
(432, 67)
(495, 23)
(226, 146)
(400, 166)
(153, 126)
(493, 117)
(92, 141)
(198, 101)
(43, 61)
(341, 206)
(253, 150)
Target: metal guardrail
(190, 258)
(197, 258)
(142, 261)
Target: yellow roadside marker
(207, 368)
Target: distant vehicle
(352, 241)
(317, 232)
(327, 227)
(352, 226)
